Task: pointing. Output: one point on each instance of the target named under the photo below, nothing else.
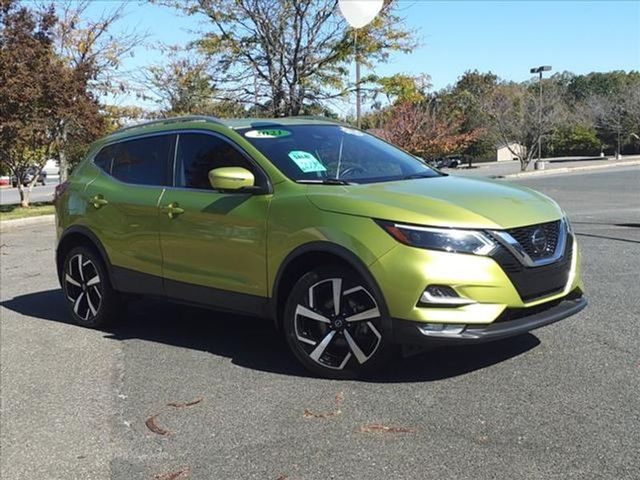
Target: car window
(143, 161)
(104, 158)
(200, 153)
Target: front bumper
(513, 322)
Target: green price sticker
(306, 162)
(267, 133)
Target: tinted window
(316, 152)
(143, 161)
(104, 158)
(198, 154)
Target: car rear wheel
(335, 325)
(91, 300)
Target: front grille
(536, 282)
(524, 236)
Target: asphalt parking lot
(227, 401)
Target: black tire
(329, 344)
(91, 300)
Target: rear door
(123, 208)
(216, 246)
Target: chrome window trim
(518, 251)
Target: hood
(448, 201)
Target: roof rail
(168, 121)
(318, 117)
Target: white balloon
(360, 12)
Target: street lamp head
(542, 68)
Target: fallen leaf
(379, 428)
(339, 400)
(282, 477)
(154, 427)
(184, 405)
(176, 475)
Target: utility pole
(539, 70)
(358, 93)
(358, 14)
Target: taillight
(60, 189)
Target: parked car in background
(446, 162)
(51, 168)
(27, 176)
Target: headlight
(446, 239)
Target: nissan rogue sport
(350, 245)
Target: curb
(552, 171)
(25, 222)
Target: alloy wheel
(83, 287)
(335, 324)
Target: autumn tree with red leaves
(419, 129)
(39, 94)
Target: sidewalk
(511, 169)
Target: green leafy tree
(466, 100)
(288, 55)
(573, 139)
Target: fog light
(437, 329)
(443, 295)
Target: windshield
(317, 153)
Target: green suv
(350, 245)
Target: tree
(182, 85)
(401, 88)
(573, 138)
(288, 54)
(514, 114)
(466, 100)
(91, 49)
(37, 90)
(421, 130)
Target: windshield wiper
(420, 175)
(326, 181)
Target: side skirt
(130, 281)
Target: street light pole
(539, 70)
(358, 94)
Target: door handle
(98, 201)
(172, 210)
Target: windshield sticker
(306, 162)
(267, 133)
(352, 131)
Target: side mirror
(231, 178)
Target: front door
(213, 243)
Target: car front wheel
(91, 300)
(334, 324)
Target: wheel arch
(303, 259)
(79, 235)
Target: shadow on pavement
(255, 344)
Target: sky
(504, 37)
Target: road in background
(560, 403)
(497, 169)
(11, 196)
